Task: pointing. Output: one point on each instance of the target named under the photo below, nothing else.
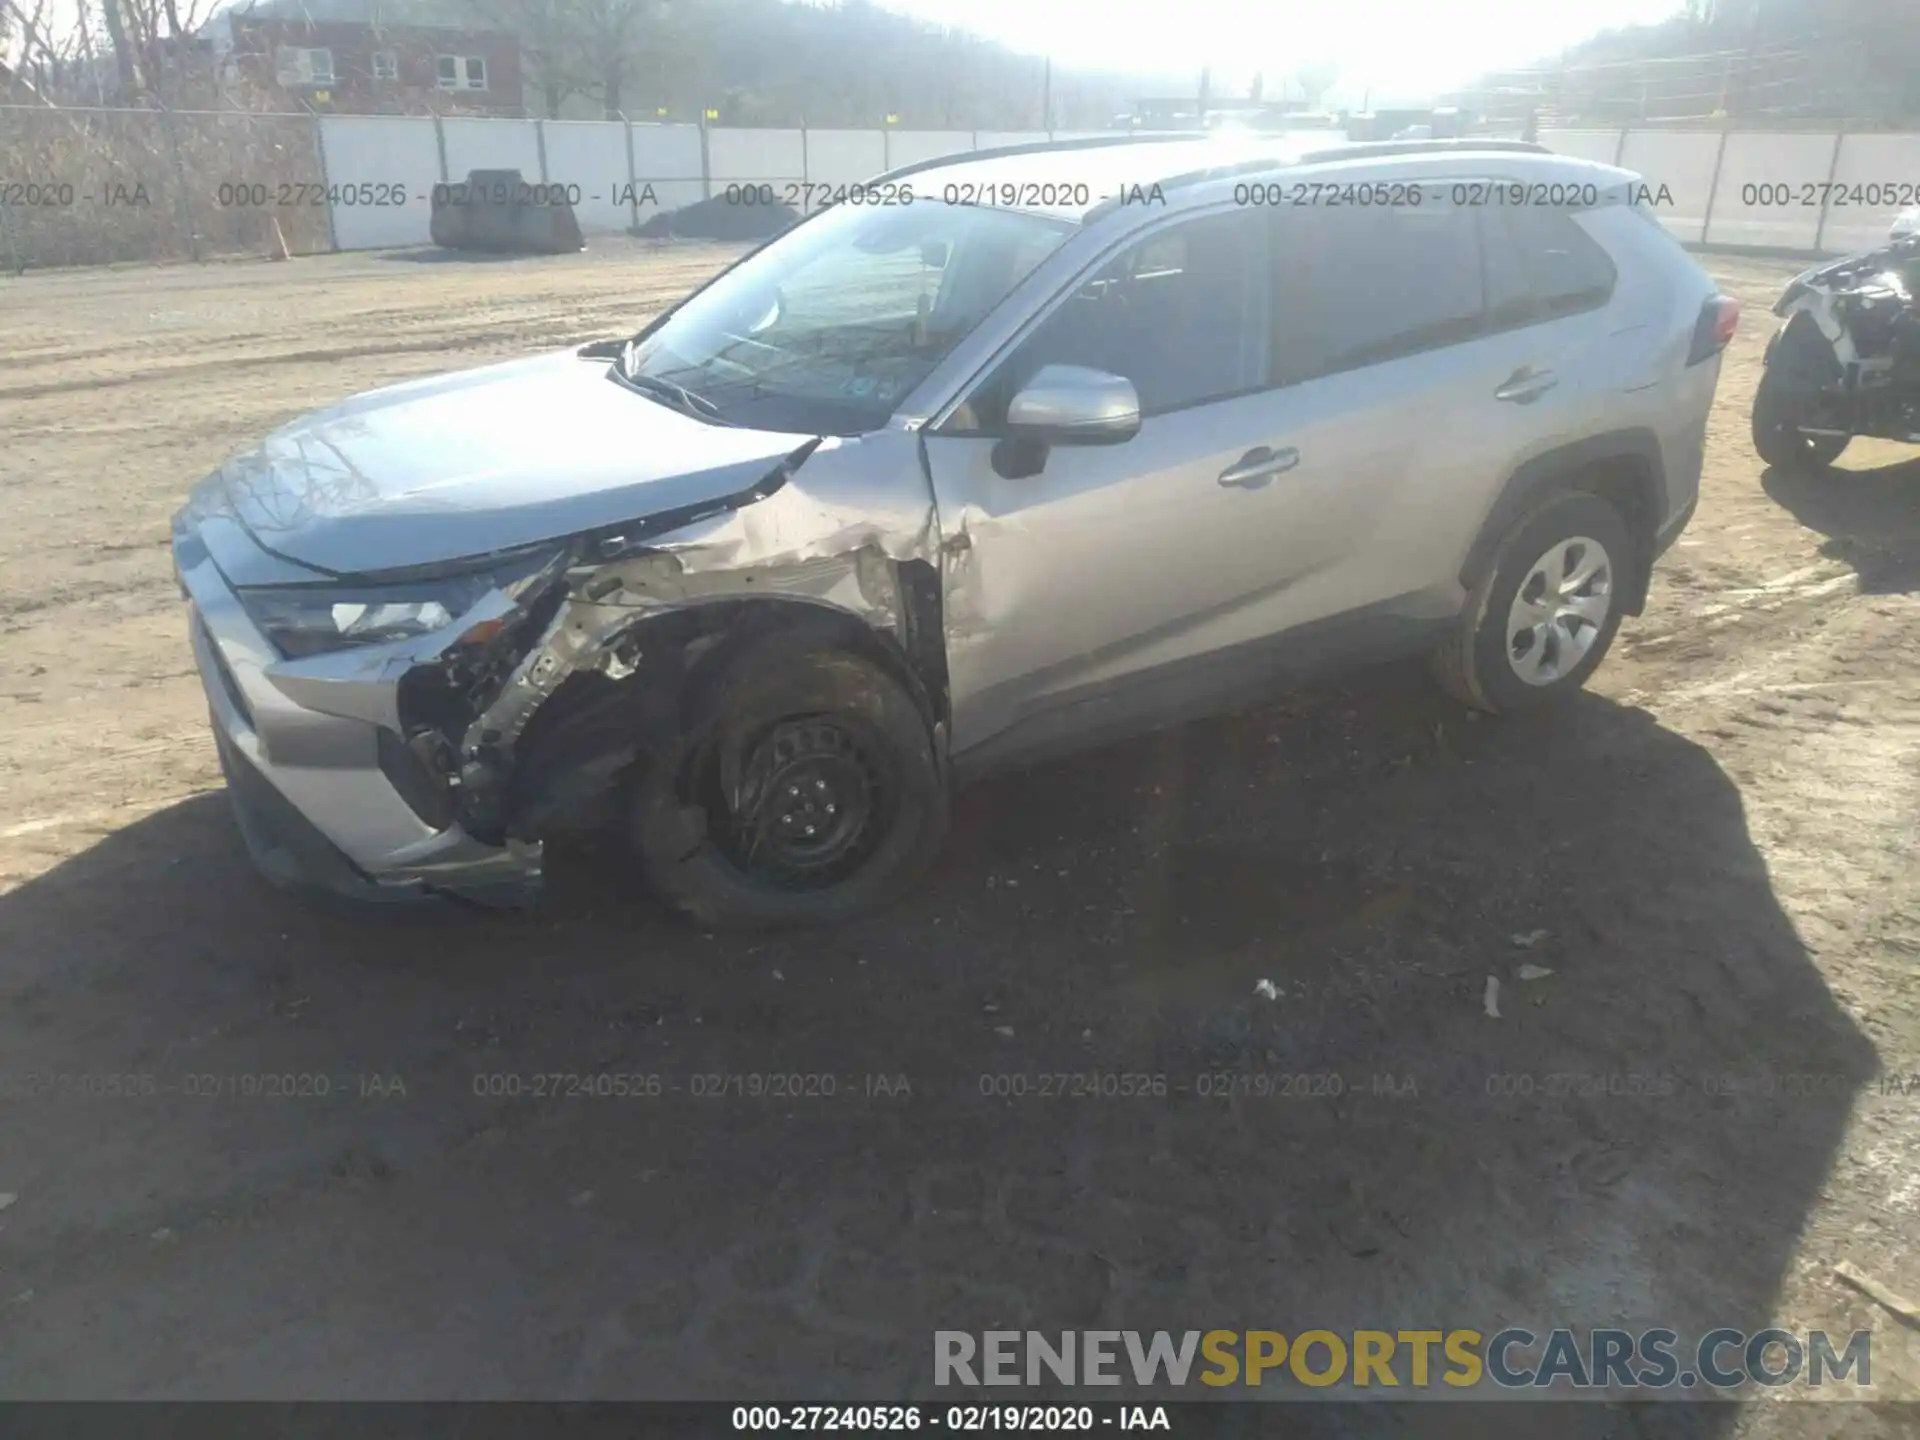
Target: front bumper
(313, 804)
(286, 847)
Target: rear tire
(805, 791)
(1780, 442)
(1543, 616)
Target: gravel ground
(1716, 845)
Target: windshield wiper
(677, 396)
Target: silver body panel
(481, 460)
(1113, 574)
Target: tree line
(779, 63)
(750, 62)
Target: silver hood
(482, 460)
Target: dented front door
(1068, 589)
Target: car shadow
(1187, 1033)
(1871, 519)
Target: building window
(386, 65)
(295, 66)
(462, 72)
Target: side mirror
(933, 254)
(1073, 405)
(1064, 405)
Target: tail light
(1719, 318)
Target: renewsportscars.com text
(1509, 1359)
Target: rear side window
(1509, 280)
(1541, 264)
(1356, 285)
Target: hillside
(782, 62)
(1751, 59)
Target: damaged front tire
(805, 791)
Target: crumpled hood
(483, 460)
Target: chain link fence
(94, 187)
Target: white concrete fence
(199, 182)
(1813, 192)
(624, 173)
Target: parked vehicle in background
(1847, 360)
(1041, 447)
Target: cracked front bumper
(311, 799)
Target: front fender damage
(536, 731)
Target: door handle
(1526, 385)
(1258, 466)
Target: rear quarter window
(1561, 269)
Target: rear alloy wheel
(1558, 610)
(806, 791)
(1778, 437)
(1540, 621)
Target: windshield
(827, 329)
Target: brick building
(363, 57)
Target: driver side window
(1175, 314)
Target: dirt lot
(1717, 843)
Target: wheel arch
(903, 651)
(594, 736)
(1623, 467)
(769, 662)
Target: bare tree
(584, 47)
(156, 45)
(123, 58)
(614, 35)
(549, 36)
(39, 52)
(89, 57)
(845, 62)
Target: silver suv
(1009, 453)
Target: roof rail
(1258, 165)
(1037, 147)
(1367, 149)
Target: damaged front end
(1847, 362)
(575, 671)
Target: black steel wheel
(805, 791)
(810, 800)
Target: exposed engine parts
(530, 726)
(1847, 362)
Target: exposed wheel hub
(808, 804)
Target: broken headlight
(304, 620)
